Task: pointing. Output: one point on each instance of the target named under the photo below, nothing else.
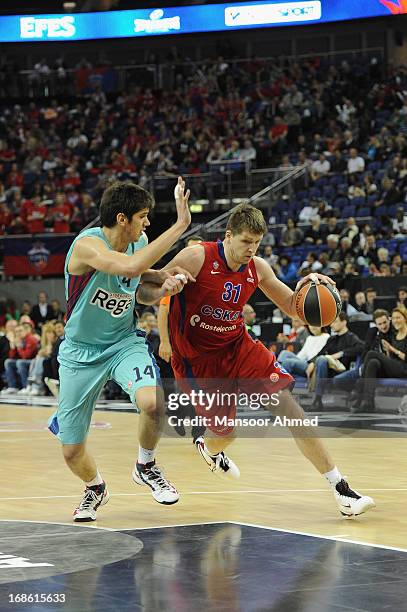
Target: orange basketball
(318, 305)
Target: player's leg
(211, 448)
(137, 373)
(202, 376)
(80, 461)
(150, 401)
(350, 502)
(216, 444)
(263, 374)
(80, 387)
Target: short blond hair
(246, 217)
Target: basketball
(318, 305)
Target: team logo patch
(274, 377)
(130, 384)
(194, 320)
(114, 303)
(280, 367)
(215, 265)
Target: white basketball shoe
(219, 464)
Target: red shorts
(247, 367)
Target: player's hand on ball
(316, 278)
(178, 270)
(181, 201)
(174, 284)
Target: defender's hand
(181, 202)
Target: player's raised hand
(181, 202)
(316, 278)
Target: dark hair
(402, 288)
(246, 217)
(369, 289)
(283, 256)
(123, 197)
(342, 316)
(380, 312)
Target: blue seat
(372, 198)
(280, 205)
(341, 202)
(314, 192)
(363, 211)
(321, 181)
(379, 211)
(328, 191)
(348, 211)
(392, 209)
(393, 382)
(303, 193)
(359, 201)
(337, 179)
(301, 382)
(374, 166)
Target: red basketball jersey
(207, 315)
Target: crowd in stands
(339, 358)
(29, 344)
(348, 122)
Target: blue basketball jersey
(100, 307)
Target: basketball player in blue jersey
(103, 269)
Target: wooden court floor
(278, 488)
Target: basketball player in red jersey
(209, 342)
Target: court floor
(273, 540)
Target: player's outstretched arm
(150, 293)
(92, 253)
(157, 277)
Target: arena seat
(363, 211)
(374, 166)
(358, 201)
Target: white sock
(334, 476)
(145, 455)
(212, 454)
(96, 481)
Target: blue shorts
(83, 372)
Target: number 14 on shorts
(148, 371)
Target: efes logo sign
(47, 27)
